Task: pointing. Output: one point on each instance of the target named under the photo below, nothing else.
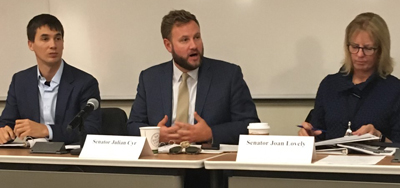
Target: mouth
(361, 62)
(53, 54)
(194, 54)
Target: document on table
(350, 160)
(347, 139)
(18, 142)
(372, 150)
(70, 147)
(333, 151)
(223, 148)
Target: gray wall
(284, 47)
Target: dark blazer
(337, 100)
(223, 99)
(75, 89)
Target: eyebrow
(47, 35)
(365, 45)
(187, 36)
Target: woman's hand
(308, 130)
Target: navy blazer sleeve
(242, 111)
(318, 114)
(138, 116)
(394, 135)
(10, 112)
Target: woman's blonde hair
(377, 29)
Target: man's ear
(168, 45)
(30, 45)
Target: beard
(183, 62)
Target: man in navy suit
(220, 104)
(43, 99)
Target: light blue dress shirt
(48, 98)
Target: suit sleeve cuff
(50, 132)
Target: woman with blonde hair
(363, 97)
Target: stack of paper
(347, 139)
(24, 142)
(333, 151)
(343, 144)
(372, 150)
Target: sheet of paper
(350, 160)
(333, 151)
(347, 139)
(228, 148)
(222, 148)
(72, 147)
(372, 150)
(13, 145)
(32, 142)
(18, 142)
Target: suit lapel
(166, 90)
(33, 94)
(64, 92)
(203, 85)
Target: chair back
(113, 121)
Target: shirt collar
(56, 78)
(178, 73)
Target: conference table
(20, 168)
(243, 174)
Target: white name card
(115, 147)
(275, 149)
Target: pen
(314, 129)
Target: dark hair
(41, 20)
(177, 17)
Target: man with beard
(191, 98)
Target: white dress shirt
(48, 98)
(192, 86)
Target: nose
(360, 52)
(52, 44)
(192, 44)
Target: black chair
(113, 121)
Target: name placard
(275, 149)
(115, 147)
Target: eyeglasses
(188, 149)
(354, 48)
